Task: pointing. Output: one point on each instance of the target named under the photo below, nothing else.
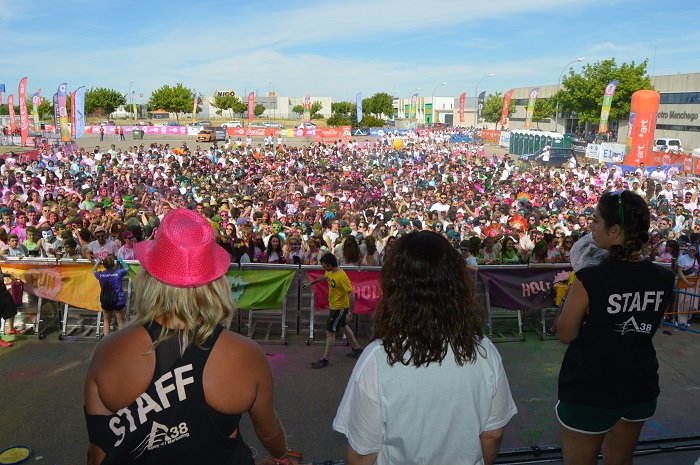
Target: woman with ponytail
(608, 382)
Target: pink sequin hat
(184, 253)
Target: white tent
(695, 153)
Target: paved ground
(41, 405)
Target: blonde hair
(195, 311)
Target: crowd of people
(370, 203)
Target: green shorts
(594, 420)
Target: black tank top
(171, 422)
(612, 363)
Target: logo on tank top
(161, 435)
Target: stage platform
(41, 405)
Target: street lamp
(432, 102)
(269, 83)
(410, 103)
(476, 100)
(128, 97)
(274, 104)
(556, 114)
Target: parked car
(206, 122)
(107, 123)
(558, 156)
(205, 135)
(574, 137)
(306, 126)
(669, 145)
(172, 123)
(197, 124)
(232, 124)
(272, 124)
(144, 123)
(256, 125)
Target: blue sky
(335, 48)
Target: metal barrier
(684, 308)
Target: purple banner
(523, 288)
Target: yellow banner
(71, 284)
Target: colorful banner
(523, 288)
(11, 112)
(63, 113)
(260, 289)
(462, 99)
(79, 105)
(607, 103)
(74, 285)
(23, 115)
(480, 107)
(36, 101)
(530, 110)
(365, 285)
(506, 104)
(414, 107)
(2, 89)
(133, 104)
(72, 115)
(490, 135)
(194, 108)
(251, 106)
(307, 108)
(642, 124)
(358, 106)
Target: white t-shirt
(388, 409)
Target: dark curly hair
(427, 303)
(634, 221)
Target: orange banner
(71, 284)
(491, 136)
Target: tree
(370, 121)
(298, 109)
(493, 107)
(259, 110)
(582, 93)
(45, 108)
(178, 99)
(102, 98)
(227, 102)
(544, 109)
(315, 108)
(380, 103)
(338, 119)
(343, 108)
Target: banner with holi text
(251, 106)
(523, 288)
(23, 116)
(358, 106)
(530, 109)
(462, 98)
(480, 107)
(307, 108)
(194, 107)
(607, 103)
(11, 112)
(133, 104)
(73, 284)
(365, 284)
(36, 101)
(506, 105)
(63, 113)
(56, 122)
(414, 107)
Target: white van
(669, 145)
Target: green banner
(253, 289)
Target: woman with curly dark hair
(428, 353)
(609, 382)
(349, 252)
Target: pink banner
(72, 114)
(251, 106)
(365, 284)
(506, 104)
(11, 112)
(462, 98)
(23, 115)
